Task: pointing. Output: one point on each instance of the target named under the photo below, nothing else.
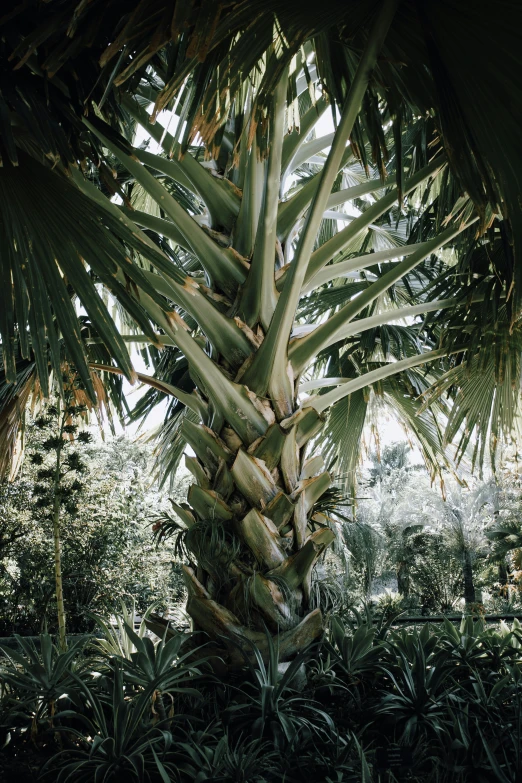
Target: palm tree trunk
(254, 534)
(467, 572)
(403, 580)
(503, 576)
(253, 530)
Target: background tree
(107, 552)
(419, 524)
(386, 486)
(13, 502)
(505, 529)
(60, 471)
(364, 546)
(460, 516)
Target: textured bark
(233, 642)
(251, 521)
(251, 530)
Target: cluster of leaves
(144, 711)
(451, 694)
(56, 457)
(74, 72)
(107, 550)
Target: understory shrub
(446, 700)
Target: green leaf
(218, 194)
(303, 351)
(259, 295)
(222, 265)
(327, 251)
(324, 401)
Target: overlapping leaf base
(252, 528)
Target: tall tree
(221, 269)
(59, 473)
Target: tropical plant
(115, 640)
(436, 573)
(233, 265)
(465, 515)
(506, 537)
(59, 473)
(430, 537)
(166, 665)
(464, 643)
(449, 695)
(393, 464)
(270, 705)
(480, 647)
(390, 506)
(363, 544)
(355, 654)
(341, 760)
(14, 501)
(120, 746)
(206, 756)
(419, 674)
(106, 550)
(40, 682)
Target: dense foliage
(446, 698)
(278, 285)
(107, 549)
(432, 703)
(255, 261)
(429, 549)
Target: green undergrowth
(367, 703)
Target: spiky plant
(233, 250)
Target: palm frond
(14, 397)
(50, 231)
(486, 397)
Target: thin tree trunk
(503, 576)
(58, 577)
(403, 580)
(467, 571)
(60, 608)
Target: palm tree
(506, 531)
(219, 263)
(458, 518)
(464, 519)
(364, 545)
